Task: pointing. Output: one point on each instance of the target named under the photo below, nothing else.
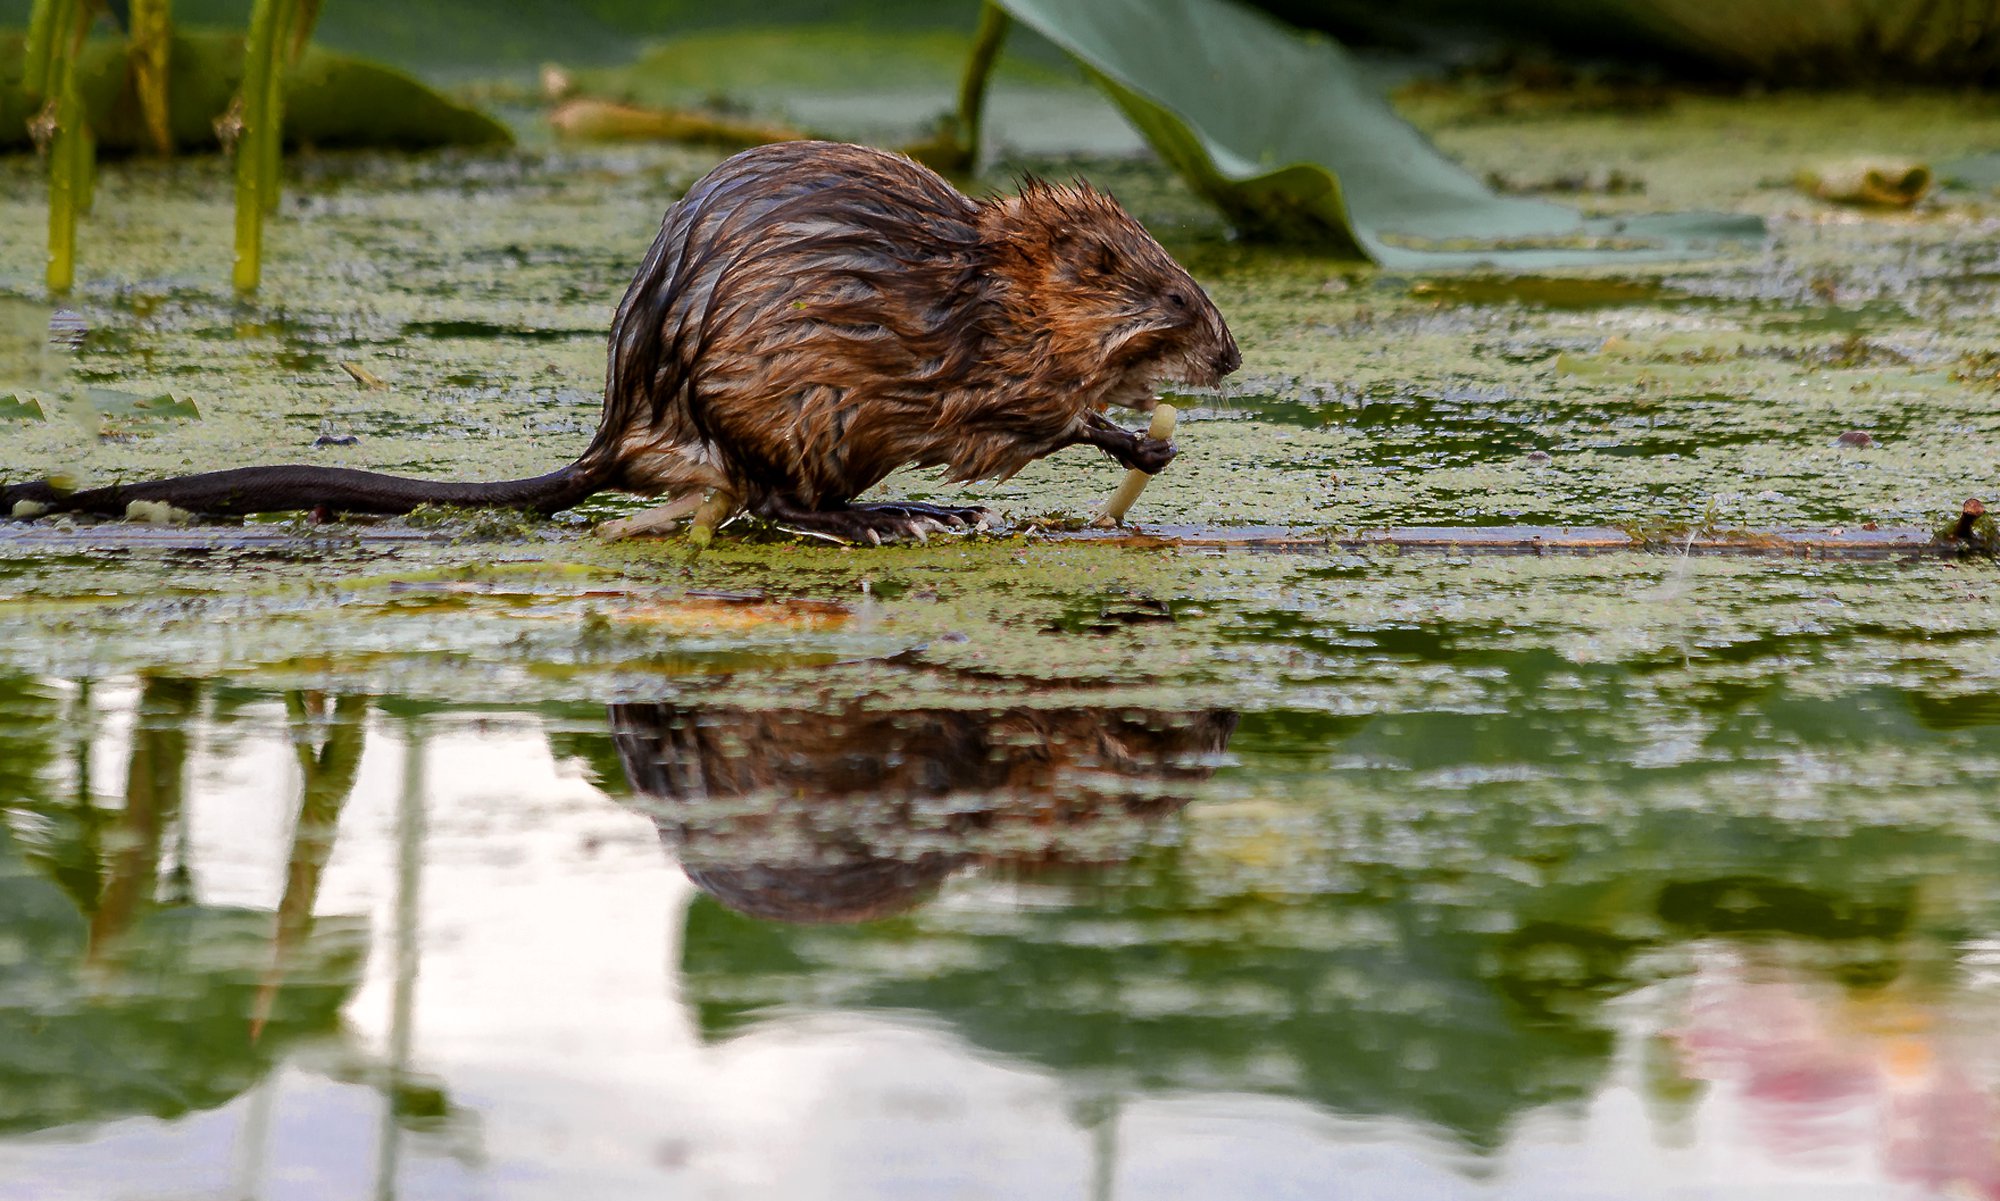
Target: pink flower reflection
(1823, 1072)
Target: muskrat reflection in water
(857, 813)
(812, 317)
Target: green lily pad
(812, 59)
(330, 100)
(15, 407)
(131, 406)
(1280, 131)
(1979, 172)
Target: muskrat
(813, 316)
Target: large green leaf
(330, 99)
(1279, 130)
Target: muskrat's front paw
(1151, 455)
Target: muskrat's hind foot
(968, 516)
(872, 524)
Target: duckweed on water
(1421, 400)
(1490, 845)
(475, 287)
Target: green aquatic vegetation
(474, 525)
(333, 99)
(805, 77)
(1845, 42)
(1282, 134)
(21, 408)
(807, 60)
(260, 136)
(1511, 788)
(1973, 529)
(114, 950)
(78, 84)
(150, 37)
(1412, 406)
(61, 128)
(1229, 627)
(954, 147)
(477, 290)
(1479, 814)
(115, 407)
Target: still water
(498, 863)
(291, 944)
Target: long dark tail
(245, 490)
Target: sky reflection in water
(1107, 952)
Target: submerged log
(32, 538)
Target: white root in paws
(1135, 481)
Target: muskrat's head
(1080, 268)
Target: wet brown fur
(816, 315)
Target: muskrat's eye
(1177, 300)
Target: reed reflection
(130, 991)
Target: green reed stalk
(271, 158)
(85, 163)
(298, 19)
(986, 43)
(279, 31)
(42, 41)
(255, 144)
(305, 15)
(149, 44)
(954, 147)
(55, 42)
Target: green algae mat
(469, 856)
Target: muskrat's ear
(1086, 254)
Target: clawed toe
(944, 517)
(912, 520)
(875, 524)
(1151, 455)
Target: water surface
(498, 861)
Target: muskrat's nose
(1228, 359)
